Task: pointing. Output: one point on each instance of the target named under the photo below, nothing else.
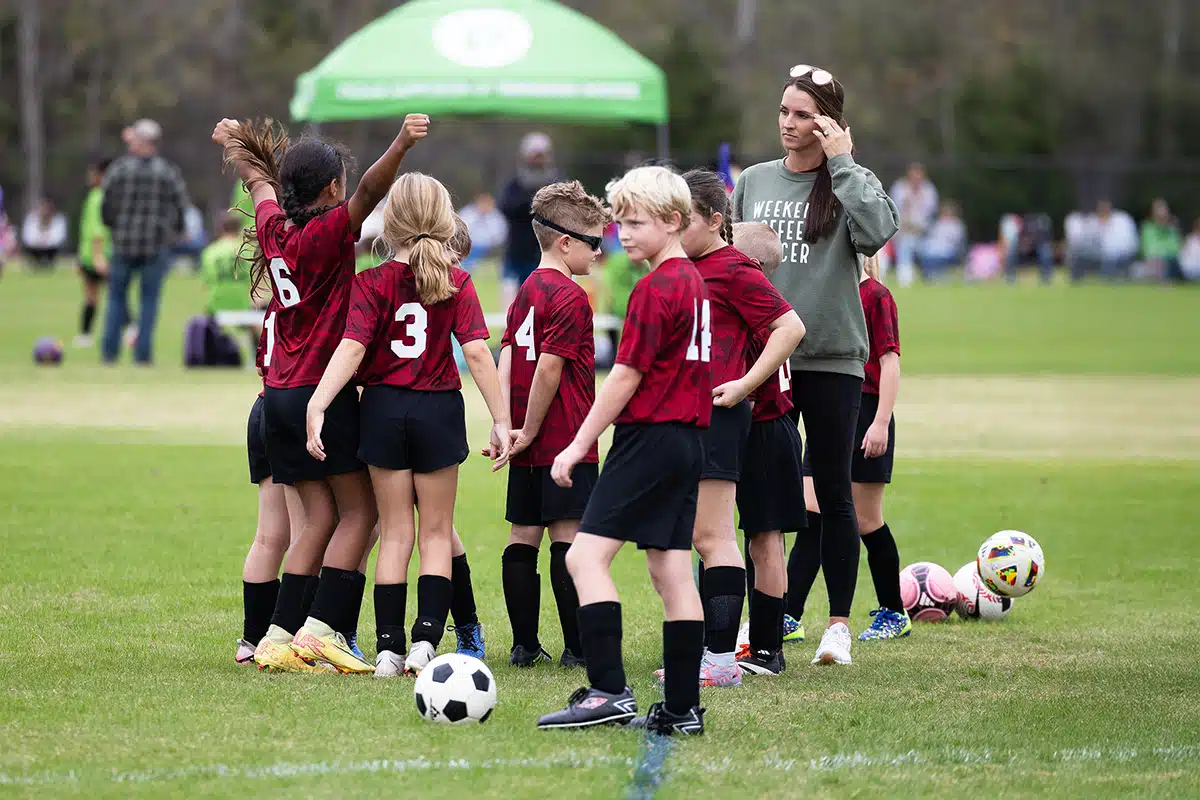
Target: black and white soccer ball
(455, 689)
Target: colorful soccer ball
(927, 592)
(455, 689)
(48, 350)
(976, 601)
(1010, 563)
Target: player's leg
(566, 599)
(435, 493)
(804, 562)
(91, 298)
(890, 620)
(260, 571)
(764, 656)
(724, 580)
(468, 630)
(397, 535)
(522, 591)
(683, 645)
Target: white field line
(1099, 755)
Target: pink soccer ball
(927, 591)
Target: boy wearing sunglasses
(548, 375)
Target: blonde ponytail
(419, 215)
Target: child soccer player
(414, 428)
(767, 500)
(659, 393)
(228, 287)
(870, 472)
(744, 305)
(305, 230)
(95, 246)
(548, 368)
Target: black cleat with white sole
(588, 707)
(569, 659)
(520, 656)
(762, 662)
(661, 721)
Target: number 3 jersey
(667, 337)
(408, 342)
(311, 270)
(552, 315)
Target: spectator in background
(1025, 239)
(144, 202)
(191, 244)
(522, 252)
(945, 245)
(1081, 240)
(1189, 255)
(95, 247)
(487, 225)
(1160, 242)
(228, 278)
(917, 199)
(44, 234)
(1118, 240)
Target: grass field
(1072, 413)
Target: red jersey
(408, 342)
(667, 336)
(552, 315)
(310, 269)
(743, 303)
(883, 329)
(773, 398)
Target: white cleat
(418, 657)
(743, 637)
(389, 664)
(245, 653)
(835, 645)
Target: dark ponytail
(261, 145)
(823, 205)
(710, 197)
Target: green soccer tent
(532, 59)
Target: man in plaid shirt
(144, 201)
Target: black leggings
(829, 403)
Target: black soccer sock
(766, 613)
(390, 602)
(522, 593)
(804, 562)
(335, 593)
(884, 560)
(565, 596)
(290, 608)
(462, 605)
(258, 603)
(310, 593)
(600, 635)
(85, 324)
(725, 593)
(354, 606)
(683, 647)
(749, 566)
(434, 594)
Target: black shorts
(725, 442)
(408, 429)
(286, 437)
(535, 499)
(863, 469)
(256, 446)
(91, 274)
(770, 496)
(646, 492)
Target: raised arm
(379, 177)
(260, 185)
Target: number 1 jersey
(408, 342)
(552, 315)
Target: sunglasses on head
(593, 242)
(820, 77)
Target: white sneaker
(245, 652)
(130, 336)
(835, 645)
(389, 664)
(743, 636)
(420, 655)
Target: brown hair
(568, 205)
(231, 223)
(823, 206)
(419, 215)
(460, 242)
(709, 198)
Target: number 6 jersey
(552, 315)
(408, 342)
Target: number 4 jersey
(552, 315)
(408, 342)
(667, 337)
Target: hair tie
(422, 236)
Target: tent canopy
(533, 59)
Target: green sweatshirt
(228, 281)
(820, 280)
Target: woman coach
(827, 210)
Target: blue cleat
(470, 640)
(887, 624)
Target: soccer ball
(48, 350)
(1010, 563)
(927, 592)
(454, 689)
(976, 601)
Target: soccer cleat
(742, 652)
(761, 662)
(85, 340)
(887, 624)
(793, 629)
(389, 664)
(522, 657)
(418, 657)
(712, 673)
(588, 707)
(661, 721)
(244, 653)
(743, 637)
(835, 645)
(569, 659)
(332, 649)
(470, 639)
(352, 643)
(276, 657)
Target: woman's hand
(834, 140)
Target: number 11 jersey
(408, 342)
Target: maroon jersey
(408, 342)
(883, 329)
(743, 303)
(311, 269)
(667, 337)
(773, 398)
(552, 315)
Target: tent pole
(663, 140)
